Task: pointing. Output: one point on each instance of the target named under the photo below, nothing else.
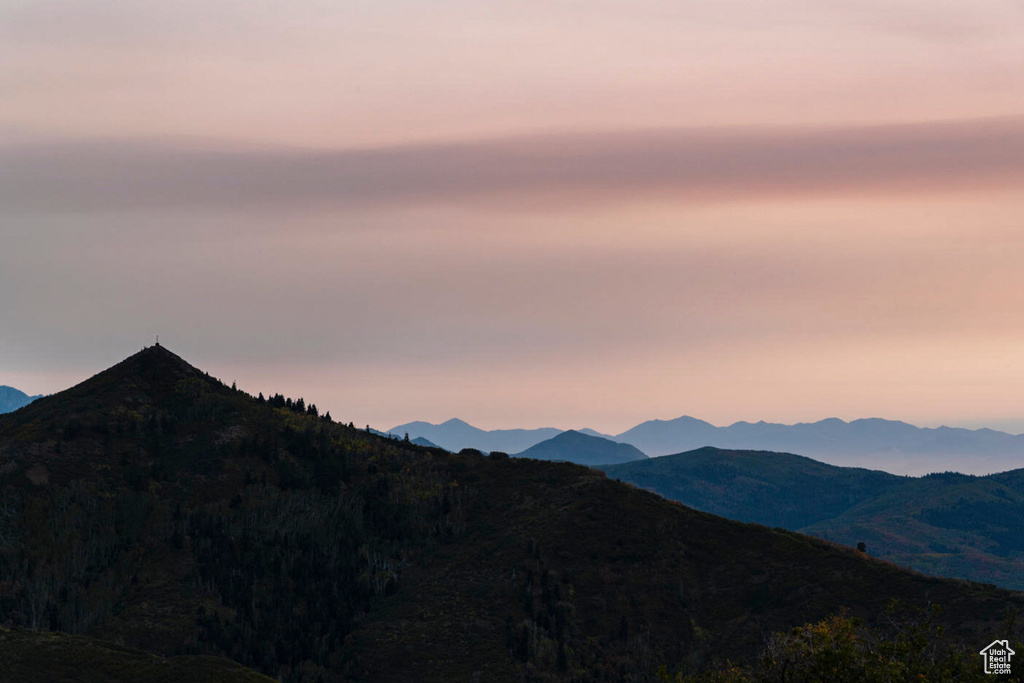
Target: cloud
(693, 165)
(946, 22)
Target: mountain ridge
(582, 449)
(455, 434)
(155, 506)
(12, 399)
(875, 443)
(949, 524)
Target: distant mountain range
(953, 525)
(454, 435)
(572, 446)
(582, 449)
(888, 445)
(11, 399)
(875, 443)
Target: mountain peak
(146, 378)
(573, 436)
(155, 366)
(455, 422)
(687, 419)
(11, 399)
(583, 449)
(158, 353)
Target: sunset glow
(524, 214)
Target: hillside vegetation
(61, 658)
(155, 508)
(952, 525)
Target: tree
(840, 650)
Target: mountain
(945, 524)
(11, 399)
(952, 525)
(659, 437)
(426, 443)
(592, 432)
(774, 489)
(154, 507)
(873, 443)
(454, 435)
(582, 449)
(890, 445)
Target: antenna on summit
(158, 340)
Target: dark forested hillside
(952, 525)
(60, 658)
(944, 524)
(776, 489)
(153, 507)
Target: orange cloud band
(693, 164)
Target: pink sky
(524, 214)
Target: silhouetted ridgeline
(454, 435)
(888, 445)
(582, 449)
(154, 507)
(952, 525)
